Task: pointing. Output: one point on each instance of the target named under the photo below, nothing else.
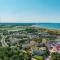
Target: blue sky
(30, 11)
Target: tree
(55, 56)
(39, 57)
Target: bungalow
(54, 47)
(58, 47)
(46, 35)
(38, 52)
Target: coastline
(51, 26)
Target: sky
(30, 11)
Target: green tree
(55, 56)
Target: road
(48, 58)
(4, 44)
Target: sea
(42, 25)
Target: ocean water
(17, 24)
(49, 25)
(43, 25)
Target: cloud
(31, 20)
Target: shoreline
(46, 28)
(49, 26)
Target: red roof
(58, 46)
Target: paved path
(48, 58)
(4, 44)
